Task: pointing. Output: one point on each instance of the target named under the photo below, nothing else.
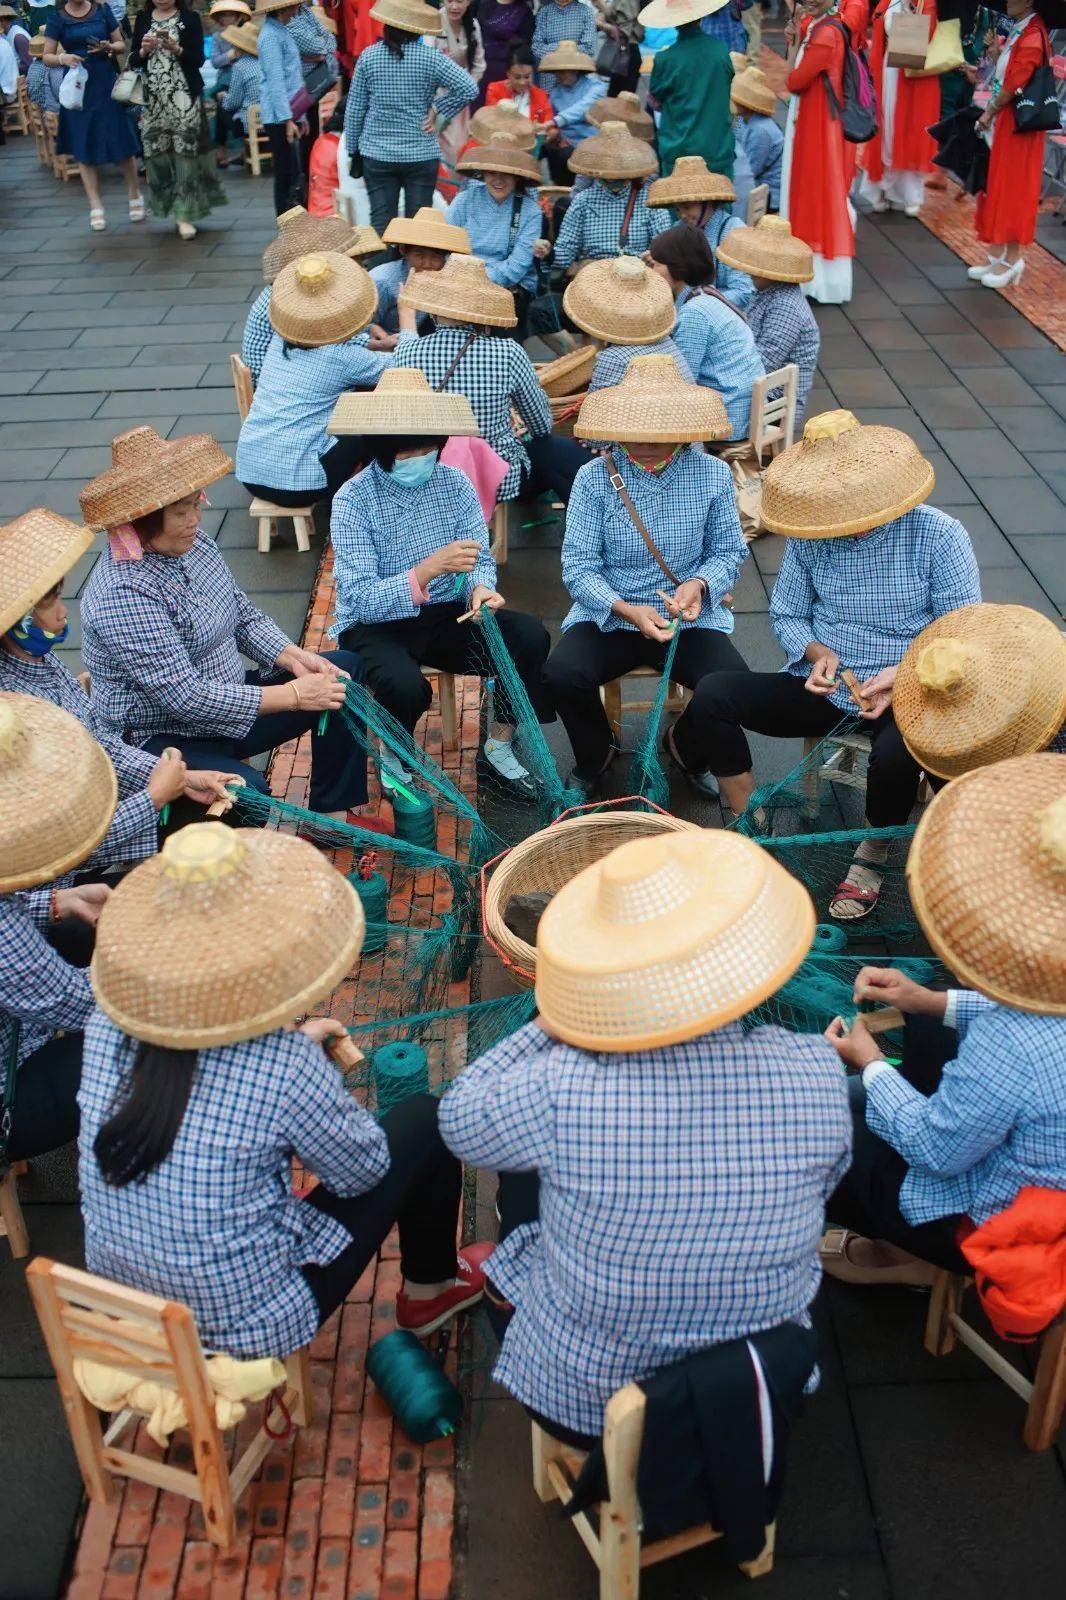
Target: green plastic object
(415, 823)
(419, 1394)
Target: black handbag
(317, 79)
(615, 58)
(1036, 108)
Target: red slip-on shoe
(421, 1317)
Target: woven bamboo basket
(567, 374)
(564, 409)
(548, 859)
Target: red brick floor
(348, 1509)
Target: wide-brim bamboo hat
(666, 938)
(625, 108)
(38, 45)
(235, 8)
(226, 934)
(981, 684)
(149, 472)
(321, 299)
(301, 234)
(404, 403)
(505, 117)
(751, 90)
(410, 15)
(58, 792)
(263, 8)
(614, 153)
(428, 229)
(843, 478)
(675, 13)
(566, 57)
(691, 179)
(502, 155)
(620, 300)
(987, 879)
(653, 404)
(37, 550)
(769, 250)
(461, 291)
(243, 36)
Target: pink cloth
(418, 594)
(485, 469)
(124, 543)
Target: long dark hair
(146, 1115)
(384, 448)
(394, 39)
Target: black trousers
(393, 654)
(867, 1197)
(420, 1192)
(45, 1114)
(386, 181)
(288, 172)
(586, 657)
(711, 735)
(339, 463)
(554, 464)
(338, 761)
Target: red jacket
(1019, 1262)
(540, 107)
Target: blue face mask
(34, 640)
(413, 471)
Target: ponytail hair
(394, 40)
(146, 1118)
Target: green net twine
(826, 790)
(647, 774)
(821, 861)
(823, 988)
(451, 1036)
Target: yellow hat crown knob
(1051, 834)
(206, 852)
(627, 97)
(12, 729)
(313, 274)
(613, 130)
(945, 666)
(783, 228)
(630, 272)
(829, 425)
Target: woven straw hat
(463, 291)
(987, 878)
(227, 933)
(410, 15)
(613, 153)
(691, 179)
(502, 155)
(620, 300)
(58, 792)
(301, 234)
(490, 121)
(667, 938)
(36, 551)
(843, 478)
(149, 472)
(675, 13)
(626, 108)
(979, 685)
(566, 57)
(751, 90)
(243, 36)
(567, 374)
(769, 250)
(263, 8)
(37, 45)
(653, 405)
(320, 299)
(428, 228)
(236, 8)
(403, 402)
(9, 11)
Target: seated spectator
(712, 335)
(242, 86)
(627, 309)
(633, 1067)
(194, 1065)
(16, 35)
(611, 217)
(503, 24)
(165, 627)
(42, 83)
(753, 103)
(575, 90)
(703, 198)
(780, 317)
(411, 556)
(518, 88)
(502, 217)
(558, 20)
(422, 243)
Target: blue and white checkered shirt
(613, 359)
(42, 85)
(506, 250)
(284, 434)
(380, 529)
(735, 285)
(571, 103)
(389, 98)
(763, 144)
(216, 1224)
(785, 329)
(389, 279)
(717, 344)
(313, 39)
(258, 332)
(690, 511)
(682, 1197)
(575, 21)
(162, 638)
(244, 88)
(728, 26)
(592, 227)
(996, 1123)
(280, 72)
(39, 991)
(868, 596)
(494, 374)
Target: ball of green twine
(400, 1070)
(422, 1398)
(374, 894)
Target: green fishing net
(647, 774)
(821, 861)
(826, 790)
(823, 988)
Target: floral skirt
(183, 180)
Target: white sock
(500, 754)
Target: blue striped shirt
(506, 250)
(717, 344)
(280, 72)
(390, 96)
(592, 227)
(389, 279)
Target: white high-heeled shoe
(1004, 275)
(982, 268)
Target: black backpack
(857, 114)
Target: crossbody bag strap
(631, 205)
(516, 212)
(620, 489)
(7, 1099)
(463, 348)
(717, 294)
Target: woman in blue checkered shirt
(611, 217)
(501, 216)
(696, 195)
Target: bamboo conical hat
(653, 404)
(624, 107)
(461, 291)
(301, 234)
(37, 550)
(322, 299)
(842, 478)
(620, 300)
(428, 229)
(58, 792)
(410, 15)
(691, 179)
(769, 250)
(149, 472)
(751, 90)
(404, 403)
(614, 153)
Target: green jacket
(690, 82)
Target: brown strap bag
(623, 494)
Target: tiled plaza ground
(908, 1478)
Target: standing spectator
(690, 85)
(281, 85)
(80, 32)
(563, 19)
(224, 14)
(753, 103)
(318, 51)
(168, 45)
(42, 83)
(503, 23)
(518, 88)
(695, 195)
(893, 164)
(618, 23)
(1006, 212)
(461, 43)
(726, 23)
(780, 318)
(16, 36)
(815, 172)
(956, 88)
(575, 91)
(245, 86)
(393, 109)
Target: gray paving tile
(863, 387)
(53, 408)
(894, 334)
(937, 319)
(222, 425)
(966, 350)
(23, 435)
(144, 333)
(161, 375)
(1042, 554)
(111, 316)
(1039, 366)
(949, 406)
(120, 280)
(82, 463)
(950, 484)
(1031, 429)
(41, 1498)
(900, 417)
(1052, 468)
(844, 350)
(999, 386)
(916, 371)
(991, 546)
(87, 301)
(148, 403)
(204, 354)
(1029, 507)
(1018, 588)
(214, 310)
(870, 305)
(1054, 394)
(983, 450)
(61, 496)
(37, 464)
(916, 291)
(50, 339)
(286, 569)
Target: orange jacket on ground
(1019, 1262)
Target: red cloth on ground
(917, 108)
(821, 174)
(1019, 1262)
(1006, 212)
(540, 107)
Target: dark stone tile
(1021, 507)
(1018, 588)
(1031, 429)
(14, 383)
(999, 386)
(950, 484)
(916, 371)
(144, 333)
(83, 464)
(937, 319)
(965, 350)
(14, 468)
(1054, 394)
(948, 406)
(844, 350)
(870, 305)
(202, 354)
(1039, 366)
(831, 319)
(222, 425)
(21, 435)
(42, 1496)
(286, 568)
(861, 388)
(50, 339)
(915, 291)
(991, 546)
(893, 334)
(1042, 554)
(114, 379)
(214, 310)
(217, 376)
(51, 408)
(110, 316)
(1052, 468)
(533, 582)
(55, 1231)
(982, 450)
(150, 404)
(900, 417)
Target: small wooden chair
(758, 204)
(773, 421)
(40, 137)
(265, 512)
(64, 167)
(78, 1313)
(1045, 1396)
(449, 713)
(17, 112)
(498, 531)
(256, 144)
(12, 1222)
(615, 1545)
(614, 704)
(846, 764)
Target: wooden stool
(268, 515)
(40, 135)
(613, 703)
(615, 1546)
(1046, 1395)
(842, 765)
(16, 117)
(64, 167)
(256, 144)
(449, 713)
(498, 528)
(79, 1314)
(12, 1222)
